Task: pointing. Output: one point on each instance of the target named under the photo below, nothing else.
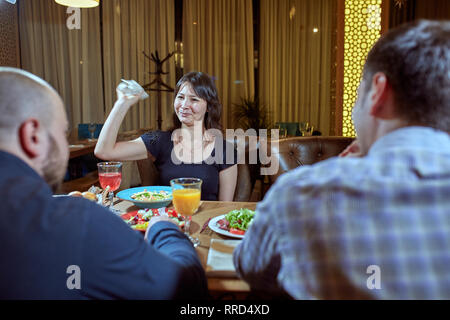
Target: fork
(205, 225)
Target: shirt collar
(9, 162)
(412, 138)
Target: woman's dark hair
(415, 58)
(204, 88)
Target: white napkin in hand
(132, 87)
(220, 258)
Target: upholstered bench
(298, 151)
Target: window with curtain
(129, 28)
(85, 65)
(218, 40)
(296, 60)
(70, 60)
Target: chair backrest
(244, 184)
(148, 172)
(298, 151)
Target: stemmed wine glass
(186, 194)
(110, 175)
(282, 131)
(306, 129)
(92, 127)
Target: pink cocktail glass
(110, 175)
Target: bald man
(71, 248)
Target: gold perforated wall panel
(9, 38)
(362, 29)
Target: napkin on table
(220, 258)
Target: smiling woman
(194, 92)
(187, 149)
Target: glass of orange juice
(186, 193)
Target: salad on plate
(236, 221)
(146, 195)
(139, 219)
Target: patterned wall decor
(362, 30)
(8, 35)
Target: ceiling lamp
(79, 3)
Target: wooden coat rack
(160, 85)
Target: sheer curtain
(296, 60)
(218, 40)
(129, 28)
(70, 60)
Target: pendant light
(79, 3)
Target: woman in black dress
(194, 147)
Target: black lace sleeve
(154, 141)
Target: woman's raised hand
(127, 98)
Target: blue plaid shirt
(358, 228)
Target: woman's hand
(107, 147)
(127, 99)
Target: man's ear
(30, 138)
(381, 97)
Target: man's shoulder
(325, 172)
(79, 211)
(80, 208)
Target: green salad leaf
(151, 195)
(240, 219)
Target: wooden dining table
(229, 286)
(79, 148)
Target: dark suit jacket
(44, 240)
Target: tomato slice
(129, 215)
(172, 213)
(237, 231)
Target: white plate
(213, 226)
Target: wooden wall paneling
(385, 8)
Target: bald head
(23, 96)
(33, 124)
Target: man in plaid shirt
(377, 225)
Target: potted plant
(251, 114)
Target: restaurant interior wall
(297, 61)
(9, 35)
(75, 61)
(360, 23)
(90, 61)
(362, 28)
